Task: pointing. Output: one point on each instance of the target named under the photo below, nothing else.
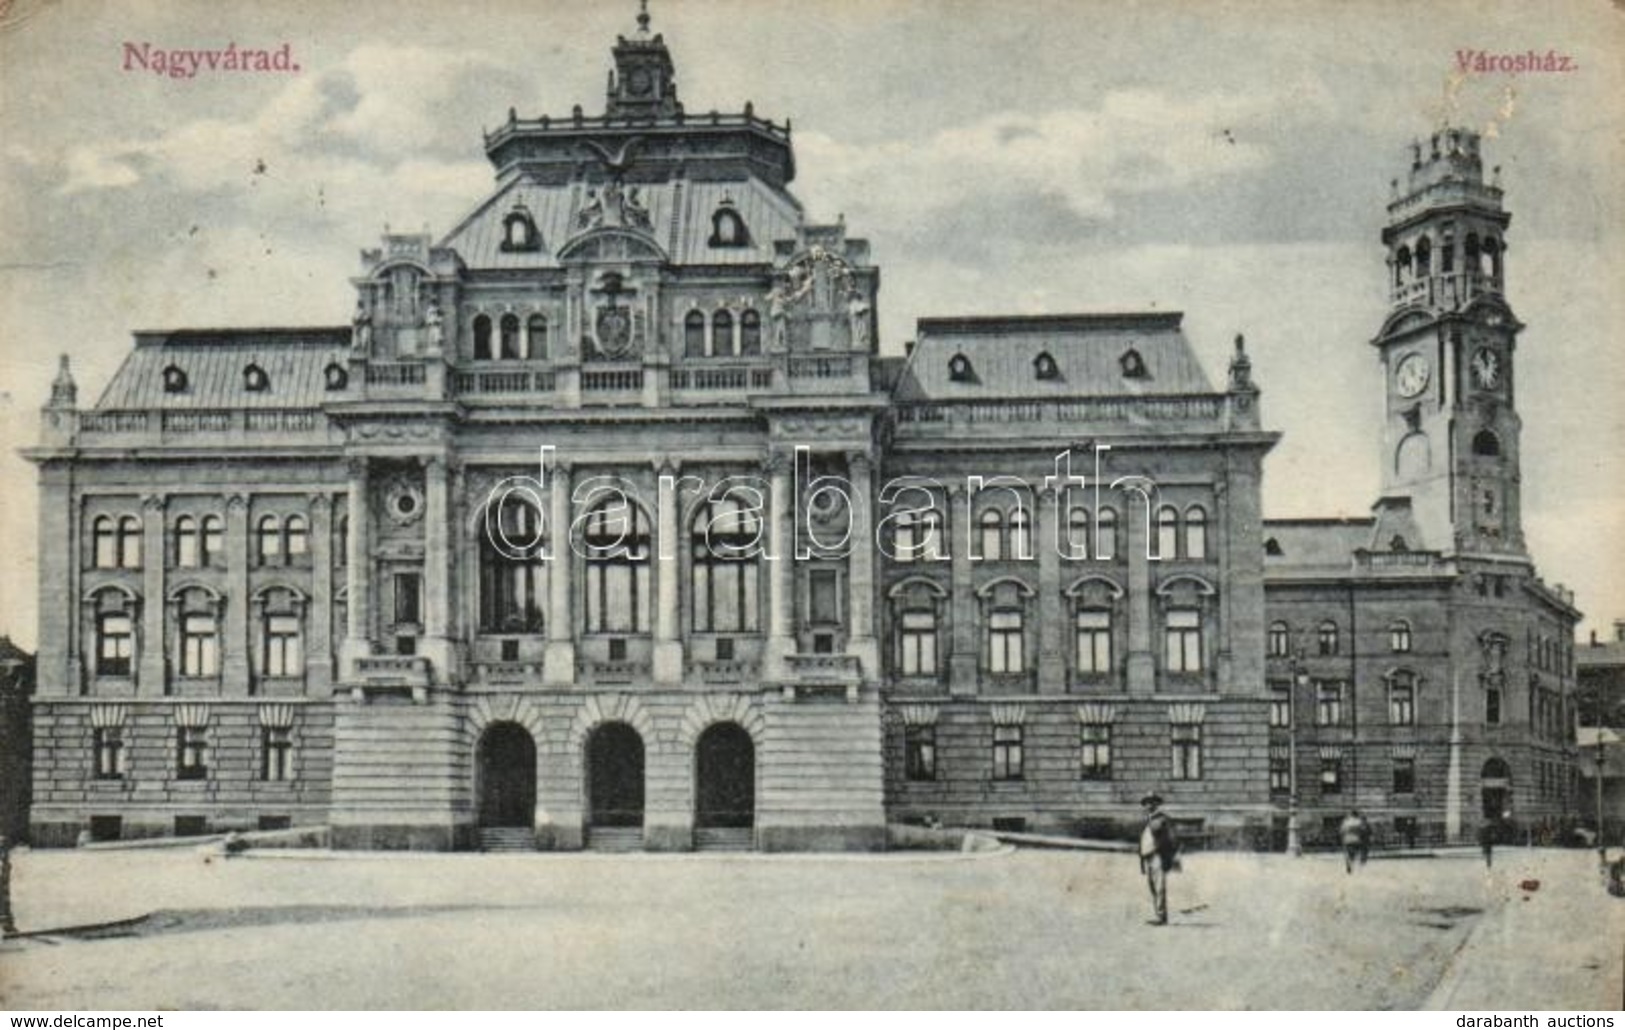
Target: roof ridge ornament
(643, 18)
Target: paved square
(1032, 929)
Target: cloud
(1071, 169)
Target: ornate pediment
(611, 244)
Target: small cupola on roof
(644, 83)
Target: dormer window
(727, 227)
(1133, 364)
(519, 231)
(255, 380)
(1044, 367)
(336, 377)
(174, 380)
(959, 369)
(1272, 548)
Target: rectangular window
(1492, 706)
(1280, 776)
(1280, 641)
(823, 597)
(1328, 704)
(282, 651)
(920, 752)
(1096, 746)
(1004, 642)
(115, 645)
(1094, 642)
(276, 753)
(1402, 704)
(192, 753)
(1007, 752)
(200, 646)
(1187, 751)
(408, 598)
(109, 744)
(918, 643)
(1280, 706)
(1184, 640)
(1404, 776)
(1399, 637)
(1331, 775)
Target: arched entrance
(724, 778)
(615, 776)
(506, 777)
(1496, 786)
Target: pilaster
(668, 647)
(559, 660)
(151, 677)
(234, 615)
(1052, 607)
(358, 572)
(436, 645)
(962, 650)
(861, 567)
(319, 616)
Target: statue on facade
(857, 313)
(434, 322)
(361, 326)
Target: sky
(1228, 160)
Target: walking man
(1487, 832)
(1356, 834)
(1159, 853)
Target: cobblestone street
(1032, 929)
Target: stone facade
(605, 524)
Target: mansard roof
(1099, 355)
(1327, 543)
(214, 362)
(680, 214)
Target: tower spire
(643, 18)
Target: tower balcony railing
(1452, 290)
(710, 382)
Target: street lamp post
(1602, 762)
(1294, 843)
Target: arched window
(1106, 535)
(1424, 257)
(1044, 367)
(510, 337)
(1402, 699)
(1133, 364)
(726, 538)
(512, 573)
(992, 535)
(1402, 265)
(1021, 534)
(1279, 640)
(186, 541)
(1077, 532)
(341, 541)
(482, 337)
(519, 231)
(1326, 637)
(1486, 444)
(722, 334)
(129, 542)
(213, 540)
(268, 541)
(750, 332)
(105, 538)
(616, 541)
(282, 651)
(536, 338)
(960, 370)
(1399, 636)
(1006, 632)
(1167, 533)
(296, 539)
(916, 618)
(1471, 254)
(694, 334)
(1195, 533)
(917, 535)
(174, 379)
(336, 377)
(1492, 257)
(198, 634)
(115, 633)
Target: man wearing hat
(1159, 852)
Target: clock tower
(1450, 438)
(644, 83)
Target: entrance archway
(615, 776)
(1495, 783)
(506, 771)
(724, 778)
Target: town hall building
(605, 523)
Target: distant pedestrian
(1488, 830)
(1159, 855)
(1356, 835)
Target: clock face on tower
(1486, 368)
(1412, 375)
(639, 82)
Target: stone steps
(616, 839)
(507, 838)
(724, 838)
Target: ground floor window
(1007, 757)
(191, 753)
(1187, 751)
(1331, 775)
(1096, 746)
(276, 753)
(110, 757)
(920, 752)
(1280, 775)
(1404, 776)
